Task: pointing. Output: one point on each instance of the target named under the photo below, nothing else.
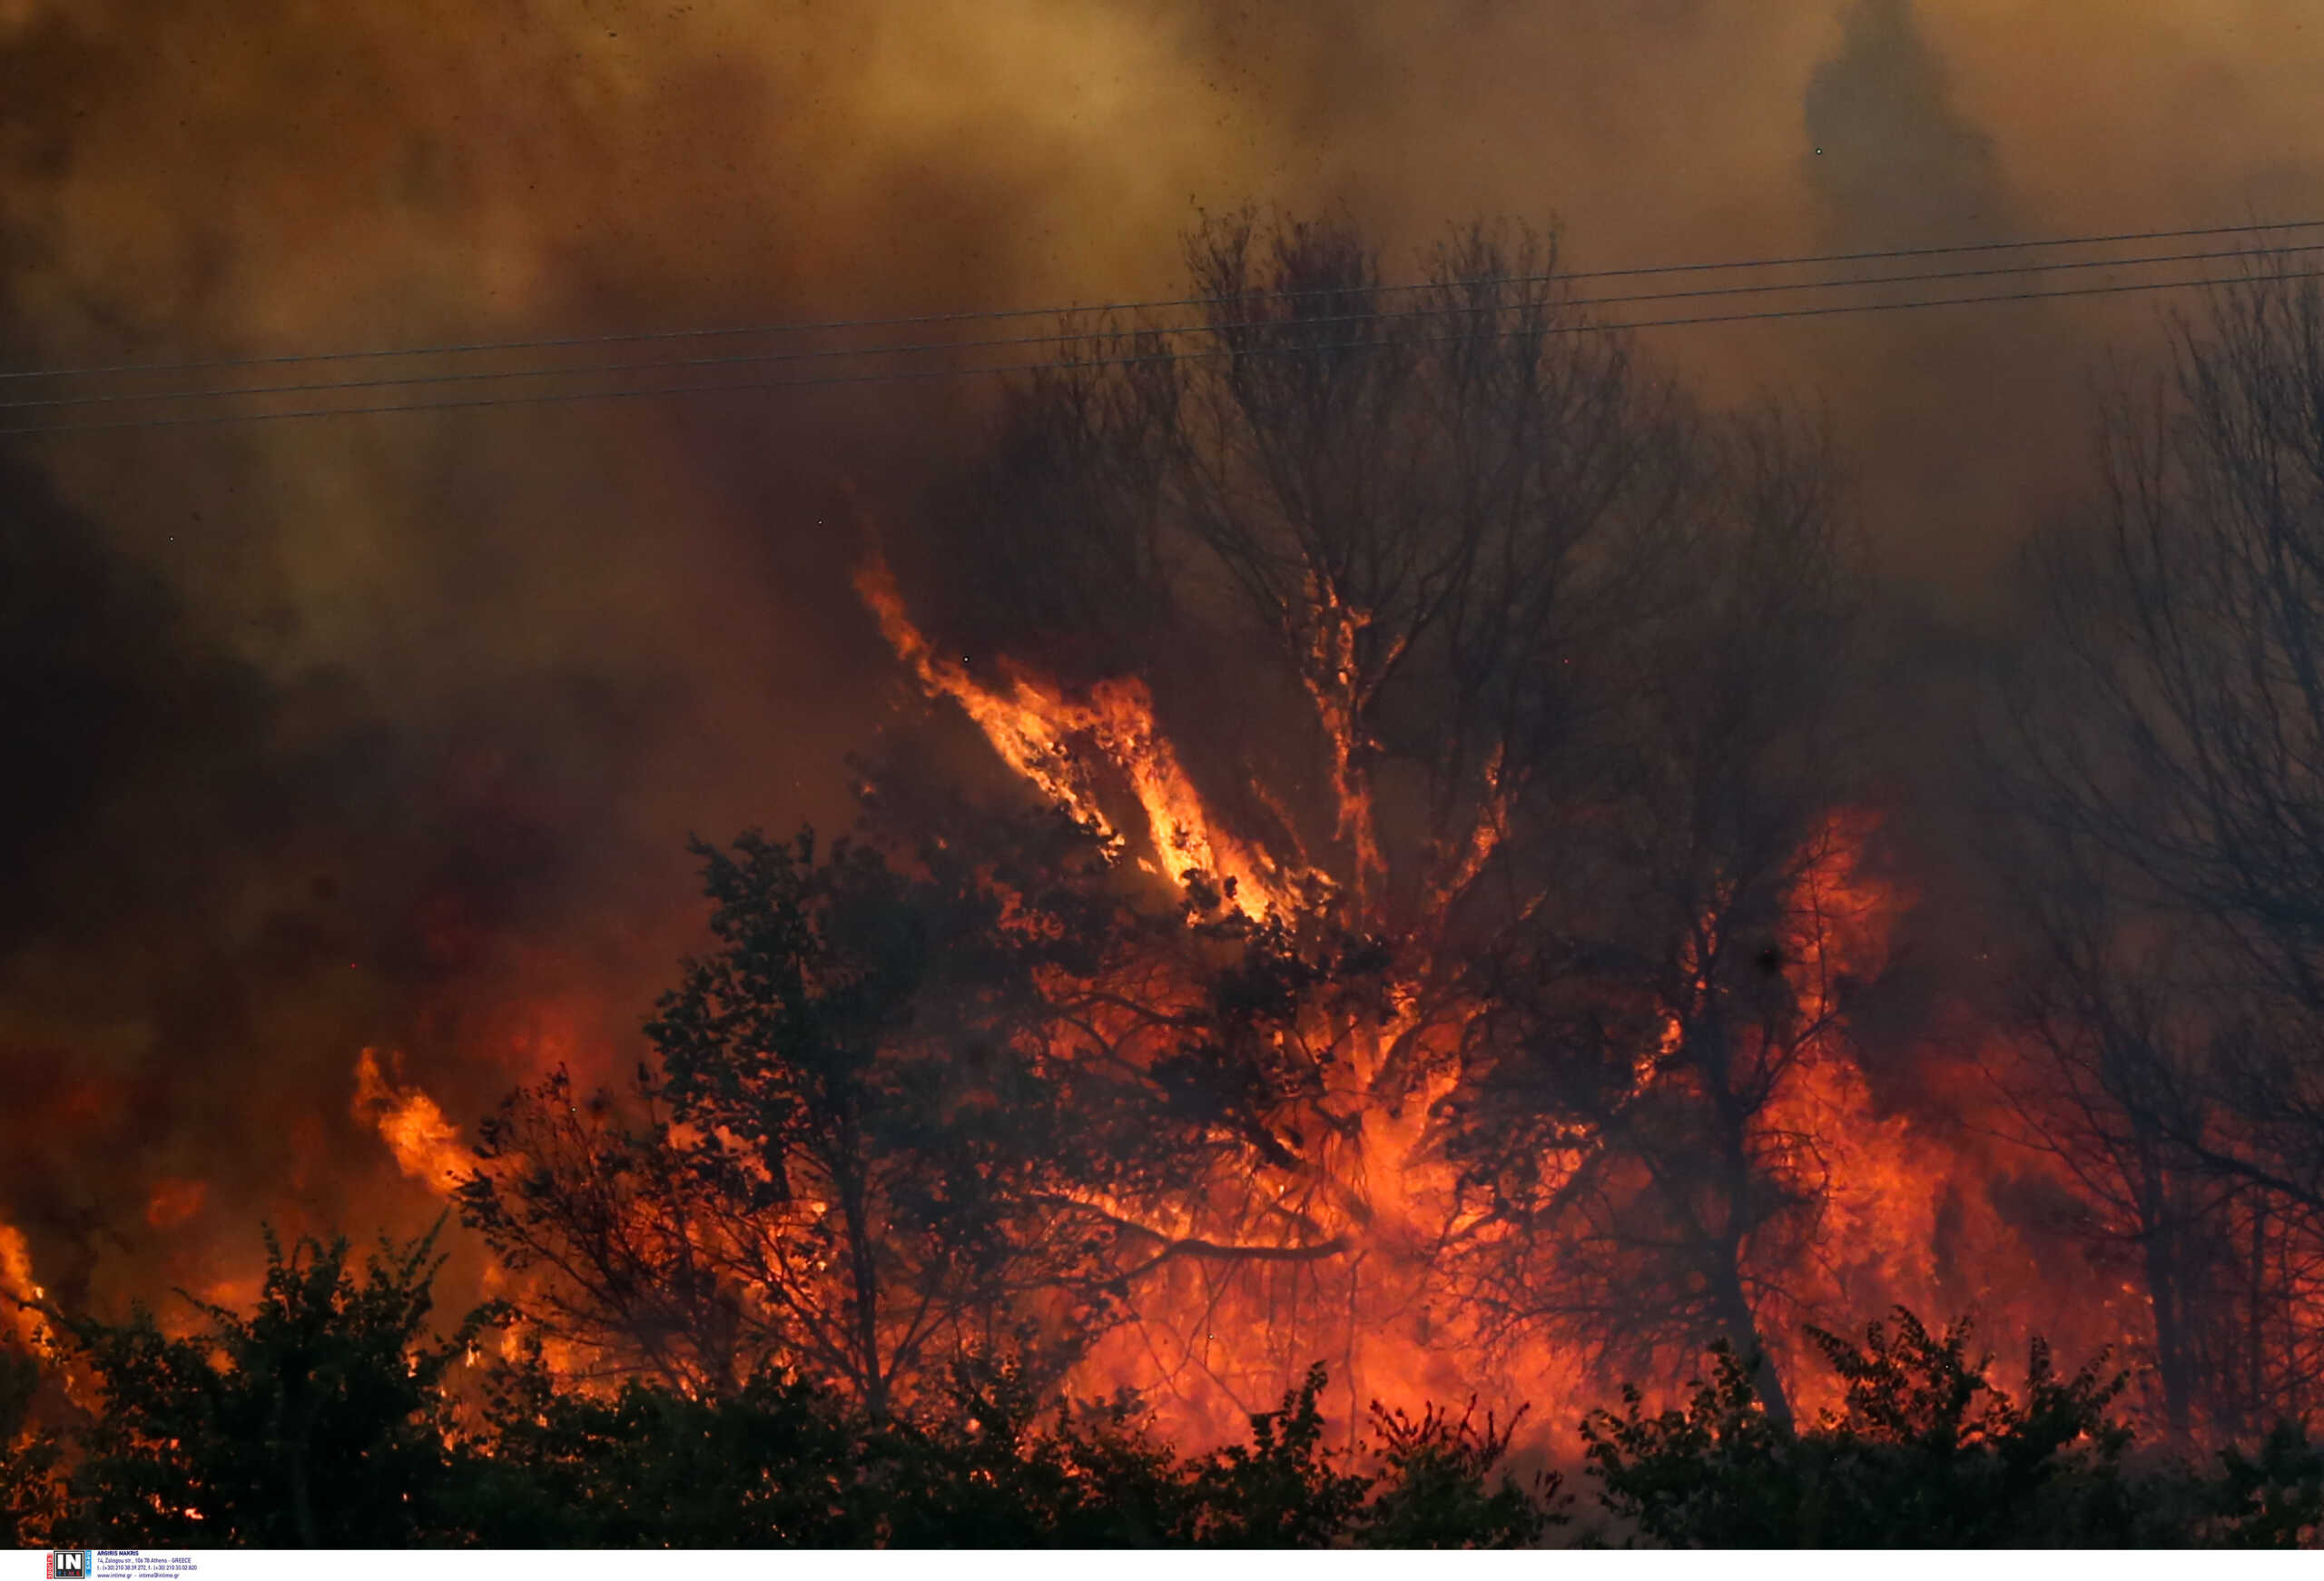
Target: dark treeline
(330, 1414)
(1504, 1000)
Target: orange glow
(174, 1202)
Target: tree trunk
(1741, 1329)
(2166, 1287)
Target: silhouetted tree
(1401, 512)
(2088, 1082)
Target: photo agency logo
(68, 1564)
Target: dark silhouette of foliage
(30, 1455)
(1435, 1492)
(328, 1416)
(770, 1465)
(784, 1464)
(1714, 1473)
(2272, 1499)
(1285, 1490)
(320, 1420)
(1925, 1451)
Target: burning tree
(1539, 778)
(1480, 977)
(860, 1149)
(1408, 514)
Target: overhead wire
(822, 353)
(974, 315)
(903, 375)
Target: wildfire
(1333, 1253)
(426, 1145)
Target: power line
(1070, 336)
(899, 376)
(831, 325)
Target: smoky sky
(389, 731)
(1894, 161)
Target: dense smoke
(387, 732)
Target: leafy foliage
(29, 1456)
(855, 1145)
(329, 1415)
(2272, 1499)
(321, 1418)
(1925, 1451)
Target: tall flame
(1036, 728)
(427, 1146)
(19, 1319)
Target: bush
(321, 1419)
(1924, 1452)
(329, 1415)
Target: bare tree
(2094, 1081)
(1407, 510)
(2169, 762)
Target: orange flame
(1042, 735)
(19, 1320)
(427, 1146)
